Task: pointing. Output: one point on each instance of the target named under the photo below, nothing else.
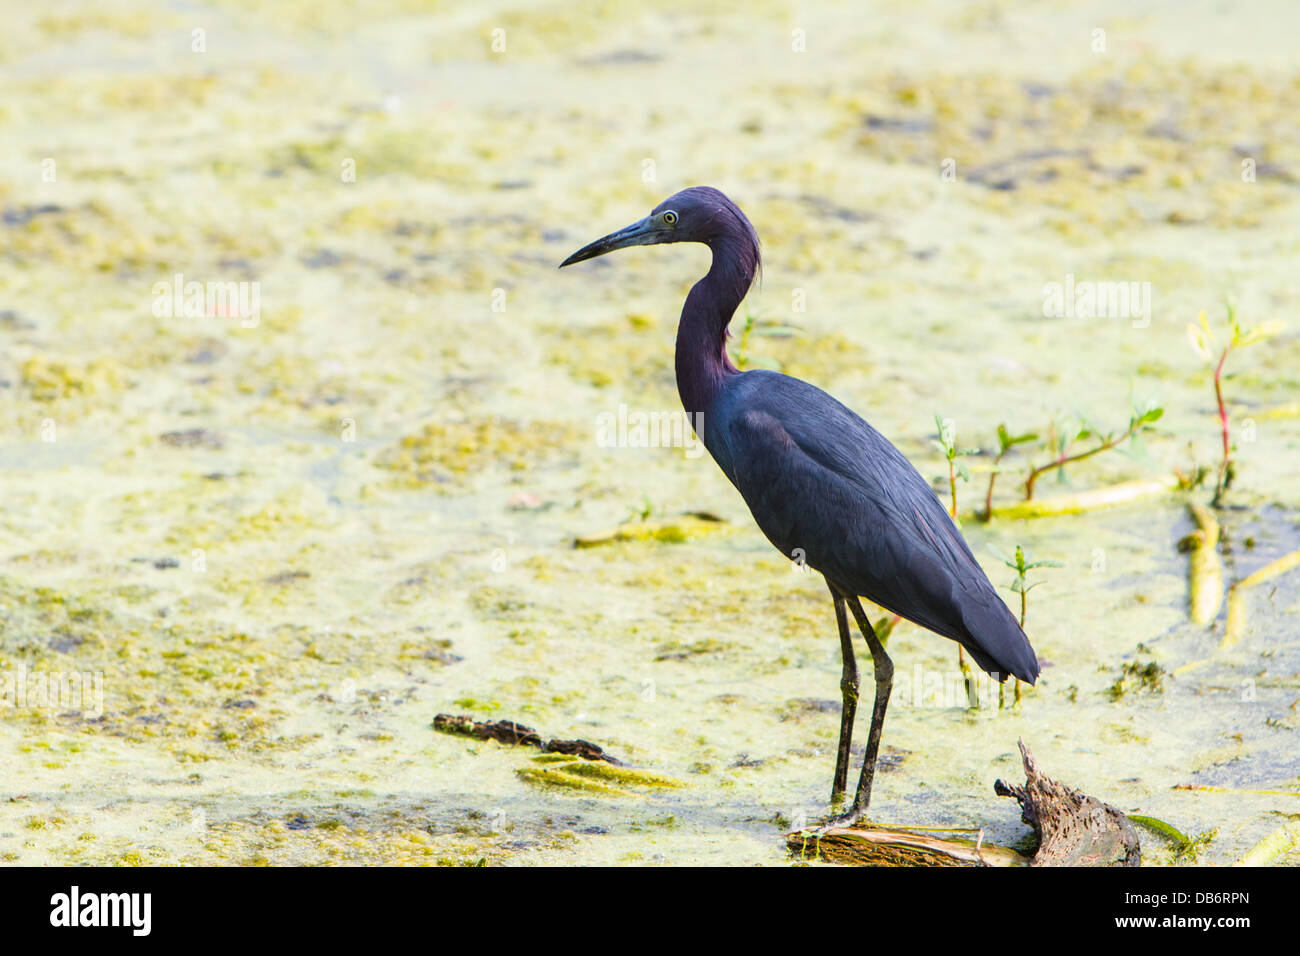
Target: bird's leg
(884, 679)
(849, 690)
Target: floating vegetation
(558, 770)
(667, 531)
(48, 380)
(1148, 155)
(1138, 678)
(1185, 847)
(678, 651)
(572, 764)
(449, 453)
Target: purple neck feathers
(702, 362)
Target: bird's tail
(997, 642)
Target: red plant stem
(1224, 425)
(993, 476)
(1067, 459)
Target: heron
(823, 486)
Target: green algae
(664, 531)
(1137, 678)
(593, 776)
(443, 452)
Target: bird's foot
(839, 821)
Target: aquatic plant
(1206, 344)
(1021, 586)
(1141, 419)
(947, 444)
(1006, 441)
(1135, 676)
(1184, 846)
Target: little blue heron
(823, 485)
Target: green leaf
(1164, 829)
(1000, 554)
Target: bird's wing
(827, 488)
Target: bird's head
(698, 214)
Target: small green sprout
(1021, 586)
(1006, 441)
(947, 444)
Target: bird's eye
(670, 217)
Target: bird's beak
(643, 233)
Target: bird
(824, 487)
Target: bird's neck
(702, 361)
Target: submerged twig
(1204, 568)
(1282, 840)
(514, 734)
(1237, 609)
(1207, 788)
(1092, 500)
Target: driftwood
(515, 734)
(1073, 829)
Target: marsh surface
(285, 545)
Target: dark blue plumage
(823, 485)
